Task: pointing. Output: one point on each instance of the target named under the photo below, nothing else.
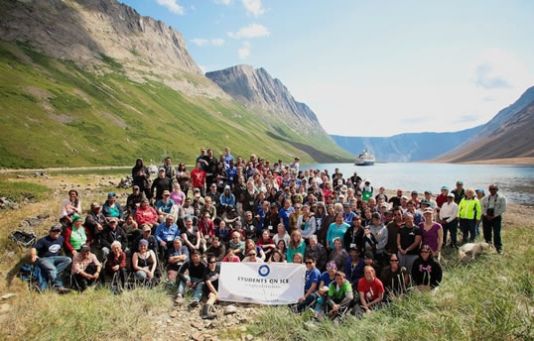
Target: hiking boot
(193, 304)
(207, 312)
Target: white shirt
(449, 211)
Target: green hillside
(53, 113)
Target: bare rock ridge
(257, 89)
(507, 135)
(96, 33)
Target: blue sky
(372, 68)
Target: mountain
(407, 147)
(92, 82)
(258, 91)
(508, 135)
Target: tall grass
(20, 190)
(490, 299)
(93, 315)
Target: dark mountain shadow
(317, 155)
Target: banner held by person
(272, 284)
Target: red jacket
(146, 216)
(198, 178)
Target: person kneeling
(371, 291)
(211, 280)
(338, 297)
(193, 281)
(85, 268)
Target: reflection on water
(515, 182)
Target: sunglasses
(252, 255)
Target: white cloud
(244, 51)
(202, 42)
(223, 2)
(254, 7)
(250, 31)
(172, 6)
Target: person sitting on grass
(116, 264)
(75, 236)
(370, 290)
(146, 214)
(50, 260)
(311, 285)
(31, 272)
(338, 297)
(426, 272)
(85, 268)
(176, 256)
(395, 278)
(194, 280)
(144, 263)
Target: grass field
(58, 114)
(489, 299)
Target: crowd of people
(360, 247)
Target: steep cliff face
(99, 34)
(256, 88)
(508, 135)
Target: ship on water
(365, 159)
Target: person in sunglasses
(426, 272)
(211, 281)
(395, 278)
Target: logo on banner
(264, 270)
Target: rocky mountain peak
(257, 88)
(97, 33)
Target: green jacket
(469, 209)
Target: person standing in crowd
(459, 192)
(442, 197)
(448, 216)
(408, 242)
(353, 237)
(432, 232)
(198, 178)
(168, 167)
(393, 230)
(493, 207)
(336, 230)
(161, 184)
(71, 205)
(141, 177)
(317, 252)
(469, 212)
(296, 245)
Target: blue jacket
(167, 234)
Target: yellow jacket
(469, 209)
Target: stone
(173, 314)
(198, 325)
(43, 216)
(231, 309)
(197, 336)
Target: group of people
(360, 248)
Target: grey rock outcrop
(104, 34)
(256, 88)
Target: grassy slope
(53, 113)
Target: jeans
(451, 228)
(54, 267)
(493, 226)
(307, 302)
(198, 286)
(407, 261)
(468, 228)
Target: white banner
(262, 283)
